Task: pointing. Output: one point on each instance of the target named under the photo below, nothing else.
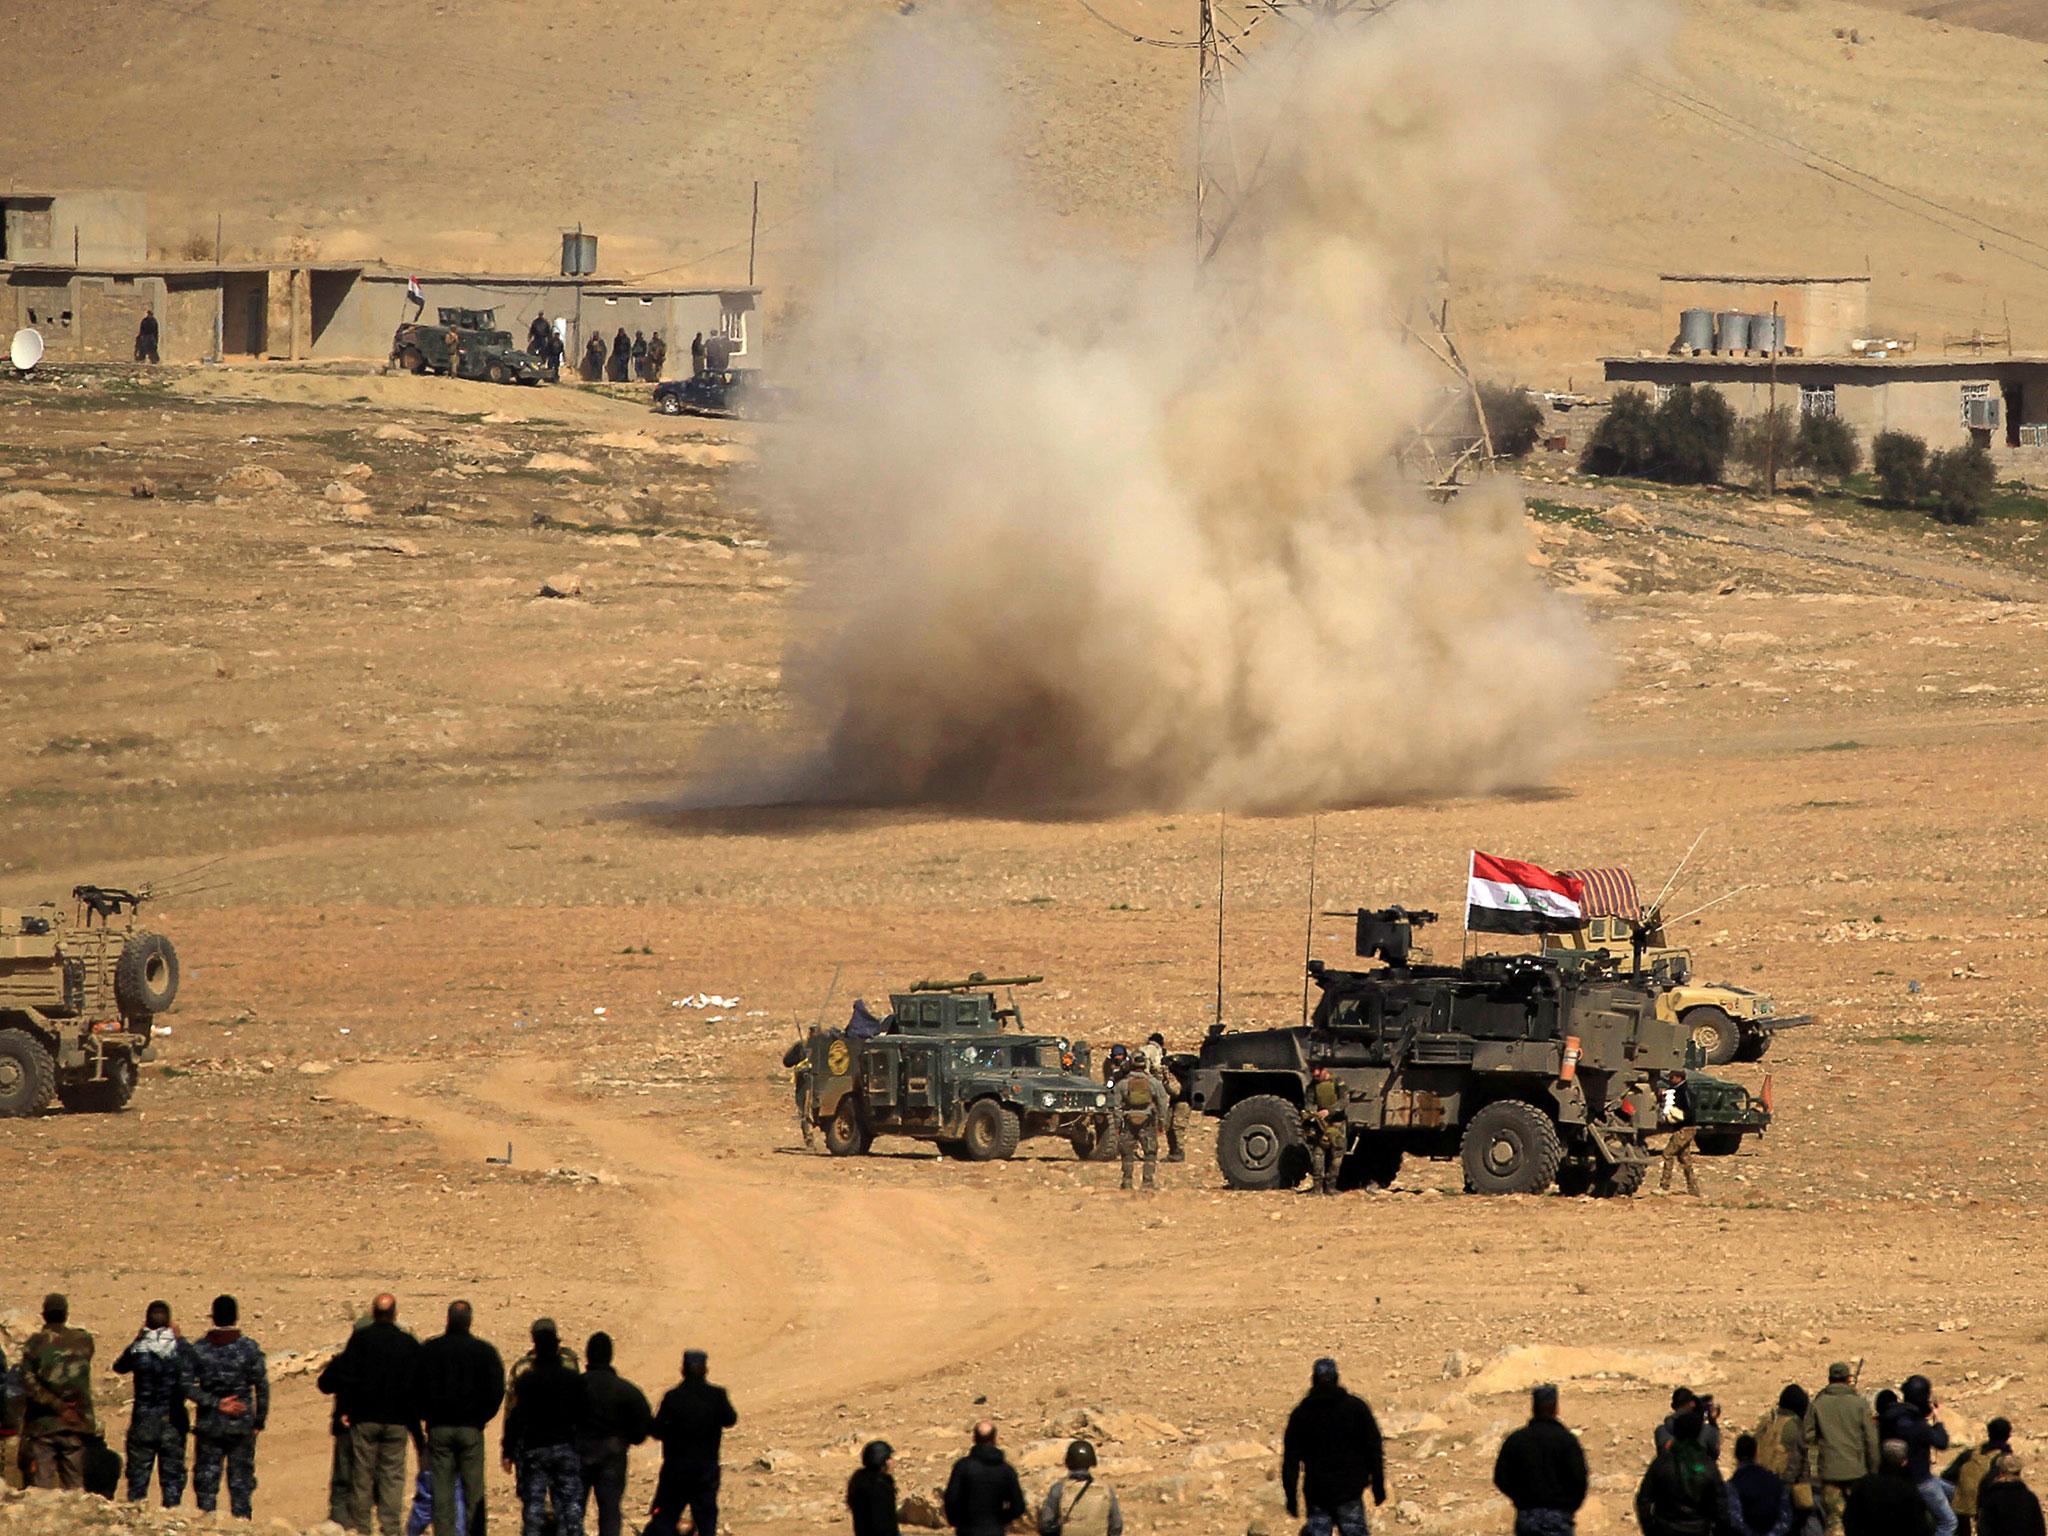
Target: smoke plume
(1092, 533)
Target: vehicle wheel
(1718, 1143)
(496, 372)
(1577, 1177)
(107, 1096)
(1754, 1044)
(1718, 1036)
(1372, 1163)
(412, 360)
(847, 1133)
(1620, 1181)
(145, 977)
(1510, 1148)
(992, 1132)
(671, 405)
(1258, 1146)
(28, 1078)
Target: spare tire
(146, 976)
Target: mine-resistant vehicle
(1534, 1071)
(77, 993)
(1727, 1022)
(472, 337)
(942, 1068)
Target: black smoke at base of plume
(1087, 534)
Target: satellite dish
(27, 349)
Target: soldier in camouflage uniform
(1323, 1131)
(57, 1417)
(1140, 1104)
(162, 1364)
(231, 1385)
(1178, 1111)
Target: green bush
(1899, 460)
(1685, 440)
(1826, 446)
(1759, 437)
(1514, 418)
(1620, 445)
(1960, 482)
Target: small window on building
(1662, 392)
(732, 324)
(1816, 399)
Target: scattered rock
(253, 477)
(343, 494)
(1408, 1512)
(32, 502)
(923, 1510)
(357, 472)
(1457, 1366)
(568, 584)
(143, 489)
(391, 432)
(568, 463)
(316, 1068)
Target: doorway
(2015, 400)
(245, 307)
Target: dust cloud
(1088, 533)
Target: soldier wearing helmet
(1674, 1109)
(1079, 1504)
(1323, 1130)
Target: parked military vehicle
(77, 994)
(1727, 1022)
(1534, 1071)
(472, 339)
(942, 1068)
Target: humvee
(943, 1069)
(77, 994)
(1534, 1071)
(1727, 1022)
(482, 350)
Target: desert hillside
(470, 135)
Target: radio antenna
(1696, 911)
(1308, 937)
(1222, 824)
(1658, 904)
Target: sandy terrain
(437, 925)
(648, 122)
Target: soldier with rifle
(1140, 1100)
(1323, 1130)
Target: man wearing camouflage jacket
(57, 1416)
(161, 1362)
(231, 1385)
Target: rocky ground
(293, 634)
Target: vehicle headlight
(1101, 1100)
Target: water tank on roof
(1731, 331)
(579, 254)
(1696, 330)
(1763, 333)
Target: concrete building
(91, 227)
(1829, 362)
(89, 312)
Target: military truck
(1727, 1022)
(942, 1068)
(77, 994)
(1534, 1071)
(481, 350)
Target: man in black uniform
(1333, 1449)
(692, 1422)
(619, 1419)
(548, 1408)
(697, 354)
(622, 357)
(145, 339)
(377, 1380)
(983, 1495)
(1541, 1470)
(461, 1386)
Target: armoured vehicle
(1727, 1022)
(1533, 1071)
(942, 1068)
(482, 351)
(77, 994)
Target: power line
(1136, 37)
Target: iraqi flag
(1508, 896)
(412, 291)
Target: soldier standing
(145, 339)
(1541, 1469)
(1675, 1109)
(1324, 1130)
(57, 1417)
(1334, 1449)
(231, 1385)
(1140, 1101)
(543, 1412)
(454, 352)
(593, 360)
(697, 354)
(161, 1362)
(378, 1376)
(618, 1420)
(1841, 1443)
(691, 1426)
(462, 1384)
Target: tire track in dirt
(777, 1268)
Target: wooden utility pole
(1771, 418)
(753, 233)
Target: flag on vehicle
(412, 291)
(1509, 896)
(1609, 892)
